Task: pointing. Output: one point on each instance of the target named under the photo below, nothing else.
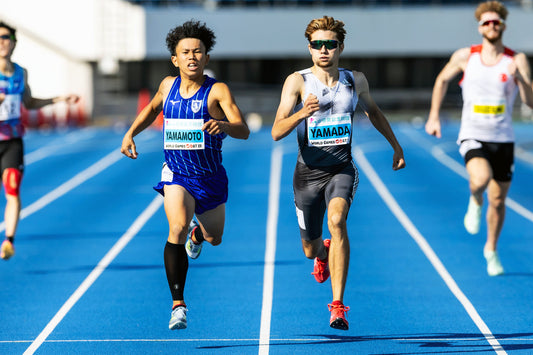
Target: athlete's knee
(11, 180)
(337, 221)
(177, 233)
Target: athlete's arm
(521, 71)
(455, 66)
(222, 104)
(291, 93)
(145, 118)
(377, 118)
(31, 102)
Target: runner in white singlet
(320, 103)
(493, 75)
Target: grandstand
(110, 50)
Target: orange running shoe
(321, 268)
(338, 317)
(7, 250)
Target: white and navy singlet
(489, 92)
(188, 150)
(324, 139)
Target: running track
(88, 276)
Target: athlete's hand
(128, 147)
(2, 97)
(213, 127)
(310, 105)
(433, 126)
(398, 161)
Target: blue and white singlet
(188, 150)
(324, 139)
(13, 87)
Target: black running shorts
(12, 154)
(499, 155)
(314, 188)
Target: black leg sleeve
(176, 266)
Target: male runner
(14, 90)
(320, 103)
(198, 114)
(493, 74)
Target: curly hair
(326, 23)
(11, 30)
(190, 29)
(491, 6)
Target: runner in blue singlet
(14, 91)
(199, 113)
(320, 103)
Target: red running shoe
(338, 317)
(321, 268)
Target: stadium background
(113, 52)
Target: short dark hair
(11, 30)
(190, 29)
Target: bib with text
(329, 130)
(184, 134)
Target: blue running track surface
(88, 274)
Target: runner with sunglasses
(320, 103)
(14, 91)
(492, 76)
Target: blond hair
(491, 6)
(326, 23)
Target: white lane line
(438, 153)
(75, 181)
(426, 248)
(97, 271)
(276, 161)
(57, 144)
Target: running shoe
(338, 317)
(321, 268)
(193, 249)
(494, 266)
(7, 250)
(178, 318)
(473, 217)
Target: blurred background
(113, 52)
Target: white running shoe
(473, 217)
(178, 318)
(192, 249)
(494, 266)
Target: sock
(337, 303)
(11, 239)
(176, 266)
(198, 235)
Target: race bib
(184, 134)
(490, 108)
(329, 130)
(10, 107)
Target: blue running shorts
(208, 191)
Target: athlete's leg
(480, 174)
(11, 179)
(179, 208)
(339, 250)
(212, 224)
(496, 193)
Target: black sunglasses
(329, 43)
(10, 37)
